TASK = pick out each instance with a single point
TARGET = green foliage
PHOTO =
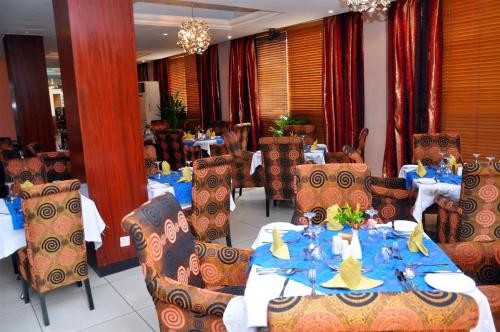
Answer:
(172, 108)
(284, 121)
(351, 217)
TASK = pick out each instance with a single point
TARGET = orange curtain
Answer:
(142, 72)
(208, 85)
(160, 74)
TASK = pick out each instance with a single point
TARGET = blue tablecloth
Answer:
(218, 139)
(264, 258)
(182, 190)
(307, 148)
(431, 173)
(15, 212)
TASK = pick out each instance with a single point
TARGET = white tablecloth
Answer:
(427, 193)
(13, 239)
(318, 157)
(205, 144)
(248, 312)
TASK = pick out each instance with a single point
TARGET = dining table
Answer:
(249, 312)
(204, 142)
(317, 156)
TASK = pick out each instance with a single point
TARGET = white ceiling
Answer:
(154, 18)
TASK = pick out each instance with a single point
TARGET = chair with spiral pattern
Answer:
(55, 253)
(404, 311)
(220, 127)
(211, 198)
(428, 147)
(171, 147)
(8, 152)
(308, 130)
(190, 282)
(28, 169)
(57, 165)
(150, 159)
(342, 156)
(191, 153)
(320, 186)
(391, 198)
(242, 131)
(32, 149)
(280, 156)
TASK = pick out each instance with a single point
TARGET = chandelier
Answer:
(193, 35)
(369, 6)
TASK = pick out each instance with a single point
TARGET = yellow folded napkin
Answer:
(188, 136)
(208, 133)
(452, 162)
(26, 184)
(314, 146)
(415, 241)
(186, 175)
(332, 221)
(279, 248)
(212, 136)
(350, 277)
(165, 168)
(421, 170)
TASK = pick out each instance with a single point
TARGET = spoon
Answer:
(335, 268)
(409, 275)
(287, 272)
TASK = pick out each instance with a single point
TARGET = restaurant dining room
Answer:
(249, 165)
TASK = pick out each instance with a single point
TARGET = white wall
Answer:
(224, 78)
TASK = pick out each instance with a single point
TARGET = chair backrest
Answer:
(360, 146)
(5, 140)
(159, 125)
(57, 165)
(150, 159)
(171, 146)
(233, 144)
(242, 131)
(321, 186)
(9, 152)
(480, 202)
(54, 234)
(28, 169)
(280, 155)
(309, 130)
(33, 149)
(354, 155)
(211, 197)
(164, 243)
(220, 127)
(4, 191)
(405, 311)
(218, 150)
(428, 147)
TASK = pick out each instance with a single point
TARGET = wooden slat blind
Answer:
(471, 72)
(272, 77)
(305, 56)
(177, 77)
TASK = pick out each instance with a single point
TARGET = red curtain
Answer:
(343, 84)
(414, 46)
(243, 86)
(142, 72)
(160, 74)
(208, 85)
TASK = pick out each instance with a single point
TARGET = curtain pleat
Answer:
(142, 72)
(160, 74)
(208, 85)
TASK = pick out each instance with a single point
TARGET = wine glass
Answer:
(490, 159)
(476, 155)
(158, 169)
(303, 137)
(370, 225)
(310, 232)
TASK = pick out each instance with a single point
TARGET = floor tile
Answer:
(23, 320)
(133, 290)
(6, 270)
(124, 274)
(149, 315)
(131, 322)
(10, 293)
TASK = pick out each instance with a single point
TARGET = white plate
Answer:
(405, 226)
(426, 181)
(450, 282)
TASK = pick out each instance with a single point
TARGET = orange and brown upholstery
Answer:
(360, 145)
(150, 159)
(320, 186)
(308, 130)
(428, 147)
(29, 169)
(159, 125)
(171, 146)
(280, 156)
(55, 254)
(211, 198)
(391, 199)
(342, 157)
(492, 293)
(354, 156)
(476, 217)
(191, 153)
(220, 127)
(185, 278)
(8, 152)
(57, 165)
(218, 150)
(242, 131)
(404, 311)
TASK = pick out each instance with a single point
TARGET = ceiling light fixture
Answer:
(193, 35)
(330, 11)
(369, 6)
(165, 34)
(229, 37)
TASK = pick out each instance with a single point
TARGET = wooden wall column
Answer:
(27, 70)
(96, 45)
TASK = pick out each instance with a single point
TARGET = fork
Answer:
(312, 279)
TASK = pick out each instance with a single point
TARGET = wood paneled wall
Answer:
(96, 44)
(25, 57)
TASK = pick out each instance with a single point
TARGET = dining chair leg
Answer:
(26, 291)
(275, 202)
(15, 265)
(79, 284)
(89, 293)
(241, 191)
(228, 240)
(234, 192)
(45, 314)
(267, 207)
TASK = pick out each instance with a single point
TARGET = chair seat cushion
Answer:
(24, 264)
(492, 292)
(233, 290)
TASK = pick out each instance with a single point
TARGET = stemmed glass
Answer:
(384, 255)
(158, 169)
(303, 137)
(476, 155)
(490, 159)
(372, 231)
(310, 230)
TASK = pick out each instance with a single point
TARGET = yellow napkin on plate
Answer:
(350, 277)
(421, 170)
(188, 136)
(452, 162)
(415, 241)
(212, 135)
(165, 168)
(279, 248)
(208, 133)
(186, 175)
(314, 146)
(26, 184)
(332, 221)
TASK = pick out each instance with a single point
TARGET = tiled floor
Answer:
(122, 302)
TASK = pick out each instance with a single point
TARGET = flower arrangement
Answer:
(354, 218)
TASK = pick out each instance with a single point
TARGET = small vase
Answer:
(355, 245)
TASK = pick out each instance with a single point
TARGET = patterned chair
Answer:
(341, 157)
(242, 131)
(428, 147)
(220, 127)
(57, 165)
(280, 156)
(476, 217)
(171, 146)
(190, 282)
(21, 170)
(211, 196)
(55, 254)
(9, 152)
(320, 186)
(420, 311)
(218, 150)
(191, 153)
(242, 161)
(159, 125)
(309, 130)
(150, 159)
(391, 198)
(33, 149)
(354, 156)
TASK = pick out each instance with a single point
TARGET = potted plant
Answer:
(284, 121)
(172, 109)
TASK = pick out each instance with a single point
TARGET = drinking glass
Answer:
(158, 169)
(303, 137)
(490, 159)
(476, 155)
(372, 230)
(310, 230)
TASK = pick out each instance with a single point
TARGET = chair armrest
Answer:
(198, 300)
(223, 266)
(218, 150)
(393, 193)
(448, 205)
(336, 157)
(392, 183)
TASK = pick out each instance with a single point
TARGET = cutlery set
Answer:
(406, 280)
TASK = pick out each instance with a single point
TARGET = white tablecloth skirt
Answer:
(205, 144)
